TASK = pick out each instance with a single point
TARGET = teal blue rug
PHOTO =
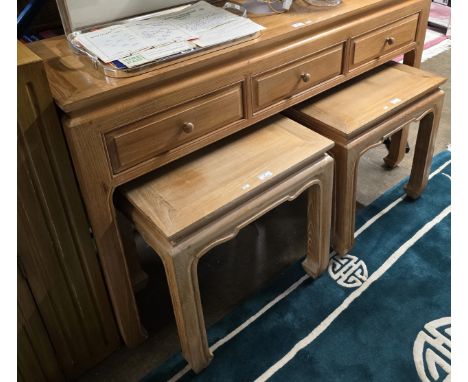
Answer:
(382, 313)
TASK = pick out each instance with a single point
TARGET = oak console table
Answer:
(119, 129)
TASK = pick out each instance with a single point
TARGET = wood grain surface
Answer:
(71, 75)
(355, 106)
(195, 189)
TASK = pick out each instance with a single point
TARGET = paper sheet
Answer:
(111, 43)
(154, 54)
(200, 17)
(137, 42)
(227, 32)
(157, 31)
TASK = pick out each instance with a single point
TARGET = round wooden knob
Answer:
(305, 77)
(391, 40)
(188, 127)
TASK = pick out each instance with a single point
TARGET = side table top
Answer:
(360, 103)
(187, 193)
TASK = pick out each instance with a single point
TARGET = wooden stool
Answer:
(192, 205)
(360, 115)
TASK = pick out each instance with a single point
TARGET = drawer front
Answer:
(384, 40)
(151, 136)
(296, 77)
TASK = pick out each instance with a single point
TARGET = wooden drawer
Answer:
(159, 133)
(296, 77)
(384, 40)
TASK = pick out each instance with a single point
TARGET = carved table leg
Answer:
(413, 58)
(138, 276)
(424, 149)
(346, 162)
(116, 273)
(320, 197)
(181, 271)
(89, 158)
(397, 149)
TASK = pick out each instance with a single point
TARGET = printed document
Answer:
(139, 41)
(154, 54)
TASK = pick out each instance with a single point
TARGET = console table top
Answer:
(75, 82)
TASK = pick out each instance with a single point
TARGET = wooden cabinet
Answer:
(65, 321)
(120, 129)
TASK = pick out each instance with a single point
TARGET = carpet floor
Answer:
(382, 313)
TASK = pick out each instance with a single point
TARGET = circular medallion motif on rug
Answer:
(432, 351)
(348, 271)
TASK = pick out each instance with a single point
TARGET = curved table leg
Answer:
(424, 149)
(399, 141)
(181, 271)
(397, 149)
(319, 222)
(346, 165)
(138, 276)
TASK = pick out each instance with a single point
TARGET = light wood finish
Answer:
(296, 77)
(188, 195)
(383, 40)
(138, 276)
(162, 132)
(71, 76)
(187, 208)
(354, 107)
(398, 142)
(360, 116)
(397, 148)
(95, 106)
(56, 254)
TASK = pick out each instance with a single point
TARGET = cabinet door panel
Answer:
(55, 248)
(36, 358)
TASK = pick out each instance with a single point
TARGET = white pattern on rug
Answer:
(432, 351)
(348, 271)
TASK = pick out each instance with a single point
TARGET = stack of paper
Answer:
(137, 42)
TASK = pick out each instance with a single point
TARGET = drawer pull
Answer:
(305, 77)
(391, 40)
(188, 127)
